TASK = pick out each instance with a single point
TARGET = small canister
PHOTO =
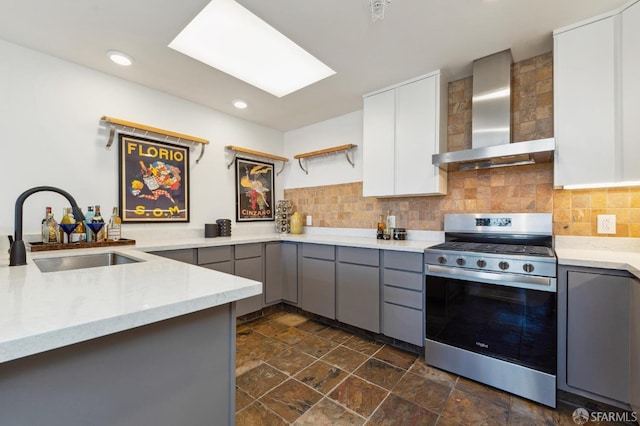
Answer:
(296, 223)
(399, 234)
(210, 230)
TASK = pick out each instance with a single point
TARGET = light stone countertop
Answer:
(599, 252)
(43, 311)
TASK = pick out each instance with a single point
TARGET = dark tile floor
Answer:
(294, 370)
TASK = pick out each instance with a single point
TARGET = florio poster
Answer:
(154, 181)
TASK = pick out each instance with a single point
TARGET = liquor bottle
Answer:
(114, 228)
(80, 233)
(50, 229)
(87, 219)
(97, 218)
(67, 219)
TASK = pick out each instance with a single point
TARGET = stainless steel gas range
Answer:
(491, 302)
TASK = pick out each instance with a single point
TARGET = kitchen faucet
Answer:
(17, 252)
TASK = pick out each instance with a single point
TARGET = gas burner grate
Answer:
(510, 249)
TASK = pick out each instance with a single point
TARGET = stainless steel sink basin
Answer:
(66, 263)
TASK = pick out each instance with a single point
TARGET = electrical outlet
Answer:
(606, 224)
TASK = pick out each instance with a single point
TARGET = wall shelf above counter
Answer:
(161, 135)
(322, 152)
(236, 149)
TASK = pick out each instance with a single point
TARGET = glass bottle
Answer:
(67, 218)
(50, 229)
(114, 228)
(97, 218)
(381, 227)
(80, 233)
(88, 218)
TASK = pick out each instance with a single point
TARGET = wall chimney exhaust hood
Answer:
(491, 122)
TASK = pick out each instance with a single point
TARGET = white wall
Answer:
(327, 170)
(51, 135)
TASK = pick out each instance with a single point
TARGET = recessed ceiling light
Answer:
(120, 58)
(230, 38)
(240, 104)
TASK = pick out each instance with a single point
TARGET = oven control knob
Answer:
(460, 261)
(503, 265)
(442, 260)
(481, 263)
(528, 267)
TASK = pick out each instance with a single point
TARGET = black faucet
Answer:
(17, 252)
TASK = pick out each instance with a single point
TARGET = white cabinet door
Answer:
(416, 137)
(378, 136)
(584, 86)
(630, 94)
(403, 128)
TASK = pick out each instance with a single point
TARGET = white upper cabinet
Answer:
(631, 93)
(404, 126)
(596, 100)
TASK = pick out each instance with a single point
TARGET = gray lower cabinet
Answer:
(248, 264)
(403, 296)
(358, 287)
(318, 279)
(634, 391)
(281, 272)
(594, 346)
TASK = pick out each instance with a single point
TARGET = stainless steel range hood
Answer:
(491, 122)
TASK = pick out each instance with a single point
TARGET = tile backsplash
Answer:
(508, 189)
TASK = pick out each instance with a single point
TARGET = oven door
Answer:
(485, 316)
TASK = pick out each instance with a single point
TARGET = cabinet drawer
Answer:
(360, 256)
(244, 251)
(214, 254)
(182, 255)
(319, 251)
(403, 324)
(400, 296)
(226, 267)
(404, 279)
(403, 260)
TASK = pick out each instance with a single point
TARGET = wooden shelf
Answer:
(150, 131)
(237, 149)
(37, 246)
(333, 150)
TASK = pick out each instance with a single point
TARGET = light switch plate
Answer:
(606, 224)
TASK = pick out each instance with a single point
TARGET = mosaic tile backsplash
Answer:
(509, 189)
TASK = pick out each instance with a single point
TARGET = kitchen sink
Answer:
(66, 263)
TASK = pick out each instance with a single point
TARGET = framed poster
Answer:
(254, 190)
(154, 181)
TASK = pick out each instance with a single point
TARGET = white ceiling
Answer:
(415, 37)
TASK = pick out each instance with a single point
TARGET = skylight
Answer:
(230, 38)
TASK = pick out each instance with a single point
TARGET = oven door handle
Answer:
(507, 279)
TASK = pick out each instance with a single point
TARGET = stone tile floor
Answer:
(291, 370)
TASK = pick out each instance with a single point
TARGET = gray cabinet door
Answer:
(319, 286)
(249, 268)
(290, 272)
(273, 273)
(358, 298)
(403, 323)
(634, 392)
(598, 334)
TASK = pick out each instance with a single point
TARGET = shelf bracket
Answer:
(346, 154)
(300, 164)
(201, 153)
(235, 154)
